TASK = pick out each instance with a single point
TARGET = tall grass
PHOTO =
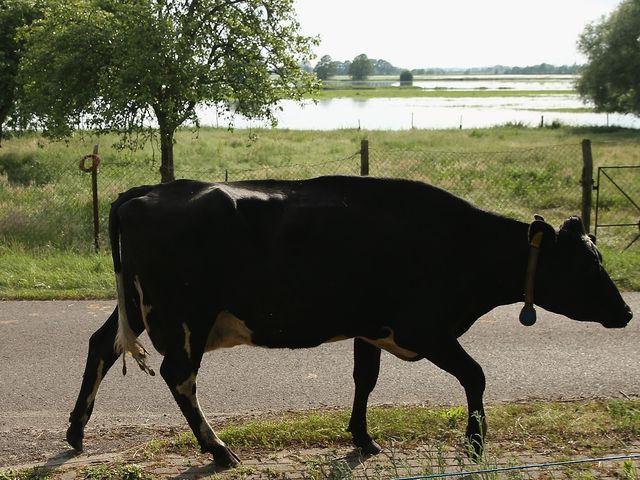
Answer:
(45, 201)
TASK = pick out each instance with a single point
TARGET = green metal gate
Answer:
(617, 204)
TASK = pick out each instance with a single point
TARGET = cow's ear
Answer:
(573, 225)
(548, 233)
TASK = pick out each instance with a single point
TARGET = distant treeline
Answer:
(380, 67)
(541, 69)
(383, 67)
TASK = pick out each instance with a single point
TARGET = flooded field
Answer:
(443, 111)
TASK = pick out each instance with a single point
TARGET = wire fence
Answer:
(516, 183)
(53, 206)
(617, 208)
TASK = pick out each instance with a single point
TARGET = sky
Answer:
(451, 33)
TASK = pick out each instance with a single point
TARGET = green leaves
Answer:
(361, 67)
(126, 66)
(14, 14)
(612, 46)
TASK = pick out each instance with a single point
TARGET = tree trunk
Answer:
(167, 173)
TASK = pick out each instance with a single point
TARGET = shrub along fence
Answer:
(67, 207)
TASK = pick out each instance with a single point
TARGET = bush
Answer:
(406, 77)
(24, 170)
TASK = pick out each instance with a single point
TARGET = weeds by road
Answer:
(417, 441)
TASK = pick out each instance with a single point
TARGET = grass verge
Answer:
(416, 441)
(53, 274)
(564, 428)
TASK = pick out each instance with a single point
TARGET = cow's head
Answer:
(570, 278)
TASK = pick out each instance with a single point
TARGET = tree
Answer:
(610, 77)
(360, 68)
(382, 67)
(325, 68)
(108, 65)
(13, 15)
(406, 77)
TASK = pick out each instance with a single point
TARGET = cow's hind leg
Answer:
(100, 358)
(366, 367)
(449, 355)
(179, 369)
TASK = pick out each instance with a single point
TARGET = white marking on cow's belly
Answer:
(228, 331)
(144, 309)
(389, 344)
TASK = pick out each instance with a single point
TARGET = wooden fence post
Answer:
(587, 183)
(93, 169)
(364, 158)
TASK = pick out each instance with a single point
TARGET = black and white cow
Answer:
(394, 264)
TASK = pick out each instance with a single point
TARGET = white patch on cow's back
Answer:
(228, 331)
(389, 344)
(144, 309)
(237, 192)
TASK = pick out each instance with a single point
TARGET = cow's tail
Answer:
(126, 339)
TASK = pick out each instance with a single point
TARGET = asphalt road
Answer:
(43, 347)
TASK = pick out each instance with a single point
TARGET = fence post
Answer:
(364, 157)
(587, 183)
(95, 161)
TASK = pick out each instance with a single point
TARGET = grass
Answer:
(587, 428)
(37, 473)
(557, 430)
(45, 201)
(416, 441)
(565, 428)
(116, 471)
(54, 274)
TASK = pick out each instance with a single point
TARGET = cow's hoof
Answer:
(224, 457)
(367, 445)
(75, 435)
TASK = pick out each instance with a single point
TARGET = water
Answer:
(441, 112)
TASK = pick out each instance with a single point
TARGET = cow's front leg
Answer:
(366, 367)
(100, 358)
(179, 369)
(449, 355)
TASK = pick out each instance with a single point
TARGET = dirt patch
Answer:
(26, 447)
